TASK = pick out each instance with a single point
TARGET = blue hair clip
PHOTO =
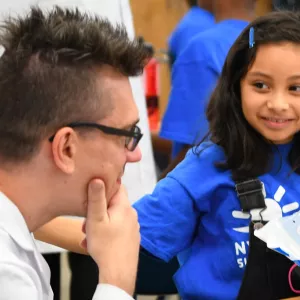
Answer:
(251, 38)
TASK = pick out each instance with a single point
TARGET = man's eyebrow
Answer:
(131, 124)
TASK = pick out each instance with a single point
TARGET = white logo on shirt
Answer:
(273, 210)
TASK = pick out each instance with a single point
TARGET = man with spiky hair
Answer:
(67, 129)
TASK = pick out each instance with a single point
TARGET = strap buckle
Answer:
(251, 194)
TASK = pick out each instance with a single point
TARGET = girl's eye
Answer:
(260, 85)
(295, 88)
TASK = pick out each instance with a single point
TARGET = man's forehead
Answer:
(131, 124)
(124, 114)
(115, 88)
(125, 117)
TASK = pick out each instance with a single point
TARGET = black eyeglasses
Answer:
(133, 136)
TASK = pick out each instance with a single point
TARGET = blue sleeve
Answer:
(170, 216)
(192, 83)
(167, 219)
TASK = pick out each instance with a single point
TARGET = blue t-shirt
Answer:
(194, 77)
(196, 208)
(194, 21)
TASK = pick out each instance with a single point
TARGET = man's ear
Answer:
(64, 148)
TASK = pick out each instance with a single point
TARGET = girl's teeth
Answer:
(276, 120)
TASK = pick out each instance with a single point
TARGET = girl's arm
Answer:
(63, 232)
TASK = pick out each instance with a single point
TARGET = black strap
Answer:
(255, 284)
(250, 194)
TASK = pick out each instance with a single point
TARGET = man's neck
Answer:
(238, 13)
(29, 200)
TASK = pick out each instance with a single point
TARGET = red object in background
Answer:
(151, 80)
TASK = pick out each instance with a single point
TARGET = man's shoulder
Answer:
(19, 278)
(10, 251)
(26, 267)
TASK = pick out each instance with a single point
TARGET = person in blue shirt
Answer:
(254, 123)
(198, 18)
(195, 74)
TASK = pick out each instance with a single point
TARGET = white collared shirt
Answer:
(24, 273)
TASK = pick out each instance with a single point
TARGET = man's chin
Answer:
(110, 197)
(80, 211)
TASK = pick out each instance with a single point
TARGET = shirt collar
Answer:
(12, 221)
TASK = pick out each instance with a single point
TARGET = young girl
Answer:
(246, 173)
(196, 213)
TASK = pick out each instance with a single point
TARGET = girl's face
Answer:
(270, 92)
